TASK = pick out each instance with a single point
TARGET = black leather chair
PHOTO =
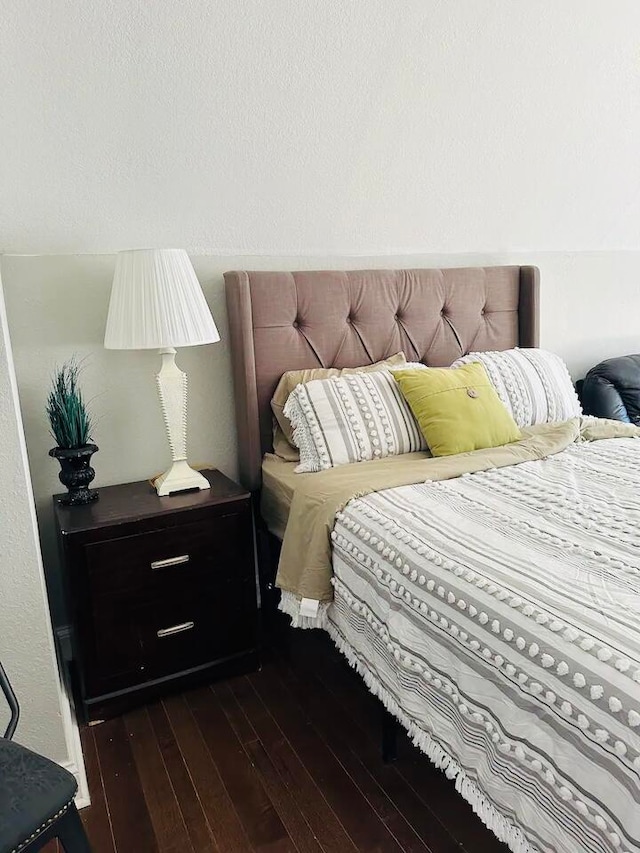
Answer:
(36, 795)
(611, 389)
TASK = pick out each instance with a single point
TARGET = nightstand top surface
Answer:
(131, 501)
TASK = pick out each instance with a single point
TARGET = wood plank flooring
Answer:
(283, 760)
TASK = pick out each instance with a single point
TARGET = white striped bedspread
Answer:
(497, 615)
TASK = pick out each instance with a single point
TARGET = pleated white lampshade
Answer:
(157, 302)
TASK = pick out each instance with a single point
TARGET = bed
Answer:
(492, 609)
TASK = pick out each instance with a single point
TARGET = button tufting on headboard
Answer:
(345, 319)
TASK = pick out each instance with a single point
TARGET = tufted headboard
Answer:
(283, 321)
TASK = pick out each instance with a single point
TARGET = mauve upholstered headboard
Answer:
(283, 321)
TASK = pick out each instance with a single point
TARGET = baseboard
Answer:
(82, 797)
(75, 763)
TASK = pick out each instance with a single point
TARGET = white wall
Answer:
(307, 132)
(321, 127)
(26, 642)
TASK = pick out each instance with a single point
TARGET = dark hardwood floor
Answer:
(287, 759)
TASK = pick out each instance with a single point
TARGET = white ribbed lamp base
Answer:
(172, 388)
(180, 478)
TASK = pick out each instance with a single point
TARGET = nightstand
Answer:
(162, 591)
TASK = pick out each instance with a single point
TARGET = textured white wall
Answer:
(26, 642)
(320, 126)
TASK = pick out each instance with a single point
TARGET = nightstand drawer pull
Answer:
(175, 629)
(171, 561)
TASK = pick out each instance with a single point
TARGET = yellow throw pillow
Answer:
(457, 408)
(282, 438)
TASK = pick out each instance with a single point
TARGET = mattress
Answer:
(278, 484)
(497, 616)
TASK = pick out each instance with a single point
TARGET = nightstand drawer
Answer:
(144, 565)
(181, 634)
(135, 641)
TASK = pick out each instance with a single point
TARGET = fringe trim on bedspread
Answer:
(290, 604)
(500, 825)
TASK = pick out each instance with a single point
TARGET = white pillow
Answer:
(351, 419)
(534, 384)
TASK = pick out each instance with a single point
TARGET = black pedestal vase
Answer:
(76, 473)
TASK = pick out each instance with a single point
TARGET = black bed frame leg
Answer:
(390, 728)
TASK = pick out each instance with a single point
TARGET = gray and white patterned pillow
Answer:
(534, 384)
(351, 419)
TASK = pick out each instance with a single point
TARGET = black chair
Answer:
(611, 389)
(36, 795)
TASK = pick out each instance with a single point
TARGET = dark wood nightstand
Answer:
(162, 592)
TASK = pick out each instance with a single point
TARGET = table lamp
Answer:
(157, 303)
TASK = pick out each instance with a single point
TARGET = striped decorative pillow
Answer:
(351, 419)
(533, 384)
